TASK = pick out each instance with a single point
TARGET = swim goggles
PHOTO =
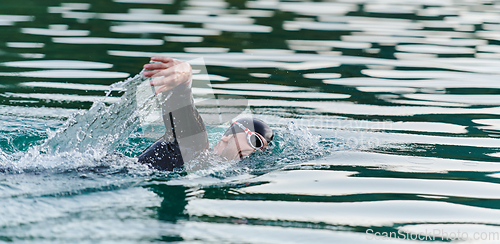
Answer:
(253, 139)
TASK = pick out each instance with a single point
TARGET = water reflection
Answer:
(58, 64)
(6, 20)
(60, 97)
(103, 40)
(68, 7)
(32, 55)
(25, 45)
(396, 83)
(194, 39)
(59, 85)
(70, 74)
(206, 50)
(435, 49)
(325, 183)
(55, 30)
(163, 29)
(260, 87)
(322, 75)
(239, 28)
(173, 203)
(187, 18)
(381, 213)
(145, 1)
(277, 94)
(260, 75)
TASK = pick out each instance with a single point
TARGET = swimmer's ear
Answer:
(226, 138)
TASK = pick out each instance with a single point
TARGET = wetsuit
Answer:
(185, 136)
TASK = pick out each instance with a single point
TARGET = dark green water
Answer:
(386, 116)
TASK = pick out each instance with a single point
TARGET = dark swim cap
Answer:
(255, 125)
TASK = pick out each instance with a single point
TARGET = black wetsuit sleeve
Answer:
(185, 135)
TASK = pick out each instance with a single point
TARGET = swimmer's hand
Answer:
(170, 72)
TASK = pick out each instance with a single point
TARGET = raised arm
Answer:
(185, 136)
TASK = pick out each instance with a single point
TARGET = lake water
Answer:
(386, 114)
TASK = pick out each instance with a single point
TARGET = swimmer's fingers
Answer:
(155, 66)
(153, 69)
(162, 59)
(158, 72)
(150, 73)
(177, 74)
(162, 89)
(168, 63)
(161, 81)
(169, 73)
(164, 84)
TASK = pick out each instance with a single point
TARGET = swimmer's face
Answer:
(234, 146)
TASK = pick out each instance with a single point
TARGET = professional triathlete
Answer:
(186, 137)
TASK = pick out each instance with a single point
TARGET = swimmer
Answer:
(186, 137)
